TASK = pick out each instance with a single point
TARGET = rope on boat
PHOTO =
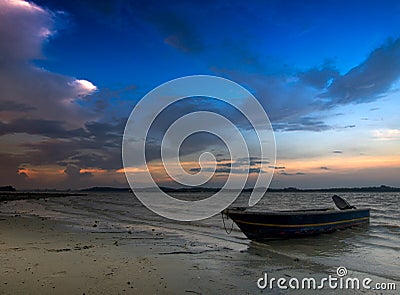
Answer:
(223, 220)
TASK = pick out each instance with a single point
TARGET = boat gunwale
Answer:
(327, 211)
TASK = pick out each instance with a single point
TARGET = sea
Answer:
(369, 250)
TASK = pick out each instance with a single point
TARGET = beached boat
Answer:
(260, 226)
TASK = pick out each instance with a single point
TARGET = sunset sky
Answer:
(326, 72)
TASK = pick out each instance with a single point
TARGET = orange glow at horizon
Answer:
(39, 172)
(341, 164)
(337, 164)
(93, 171)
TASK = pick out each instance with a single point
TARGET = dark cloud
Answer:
(106, 134)
(47, 128)
(257, 161)
(76, 177)
(337, 152)
(51, 152)
(303, 123)
(197, 143)
(9, 105)
(251, 161)
(319, 77)
(105, 159)
(254, 170)
(110, 103)
(10, 172)
(41, 103)
(283, 96)
(242, 162)
(74, 172)
(222, 159)
(32, 100)
(45, 95)
(277, 167)
(96, 146)
(82, 153)
(291, 174)
(367, 81)
(227, 170)
(226, 164)
(290, 98)
(235, 166)
(324, 168)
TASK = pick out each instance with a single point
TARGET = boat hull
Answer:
(260, 226)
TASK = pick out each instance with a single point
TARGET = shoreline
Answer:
(42, 256)
(46, 255)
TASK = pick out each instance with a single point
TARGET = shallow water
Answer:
(373, 249)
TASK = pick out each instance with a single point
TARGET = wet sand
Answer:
(41, 256)
(96, 254)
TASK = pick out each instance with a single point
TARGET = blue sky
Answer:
(326, 72)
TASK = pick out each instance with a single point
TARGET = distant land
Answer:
(10, 193)
(105, 189)
(377, 189)
(382, 188)
(24, 195)
(7, 188)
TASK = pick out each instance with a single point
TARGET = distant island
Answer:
(376, 189)
(105, 189)
(382, 188)
(9, 193)
(7, 188)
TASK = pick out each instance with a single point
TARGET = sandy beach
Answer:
(41, 256)
(96, 254)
